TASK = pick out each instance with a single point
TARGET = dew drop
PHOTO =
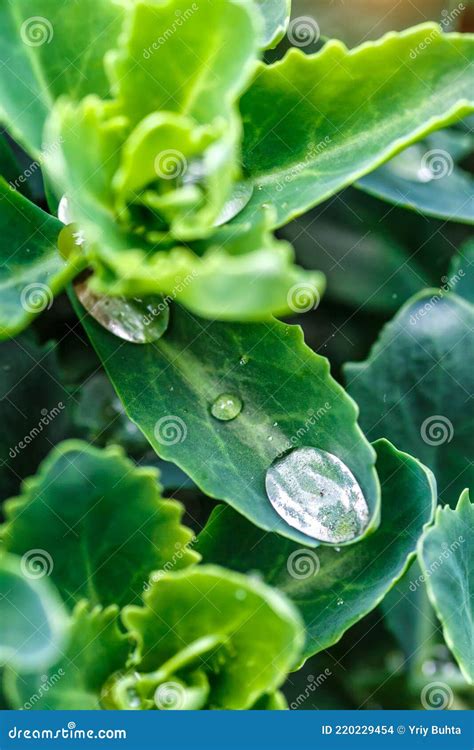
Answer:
(227, 406)
(243, 360)
(241, 195)
(316, 493)
(339, 602)
(70, 240)
(64, 210)
(139, 321)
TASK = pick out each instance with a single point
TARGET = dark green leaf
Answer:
(288, 396)
(446, 554)
(461, 273)
(101, 521)
(334, 588)
(414, 387)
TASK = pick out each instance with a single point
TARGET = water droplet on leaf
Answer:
(70, 240)
(316, 493)
(139, 321)
(339, 602)
(227, 406)
(241, 195)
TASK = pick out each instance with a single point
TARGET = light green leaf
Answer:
(276, 15)
(32, 616)
(210, 281)
(96, 649)
(447, 558)
(334, 588)
(32, 271)
(50, 49)
(314, 124)
(426, 179)
(288, 396)
(236, 631)
(101, 522)
(414, 387)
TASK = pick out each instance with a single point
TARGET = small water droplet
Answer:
(241, 195)
(275, 424)
(243, 360)
(64, 210)
(340, 601)
(316, 493)
(270, 438)
(128, 319)
(240, 594)
(428, 667)
(70, 240)
(227, 406)
(338, 549)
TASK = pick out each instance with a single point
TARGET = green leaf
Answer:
(96, 649)
(95, 508)
(415, 385)
(461, 272)
(34, 410)
(447, 559)
(314, 124)
(51, 49)
(276, 15)
(289, 399)
(33, 618)
(32, 271)
(334, 588)
(425, 179)
(243, 635)
(210, 281)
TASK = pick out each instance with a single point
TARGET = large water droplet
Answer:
(226, 407)
(70, 240)
(139, 321)
(316, 493)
